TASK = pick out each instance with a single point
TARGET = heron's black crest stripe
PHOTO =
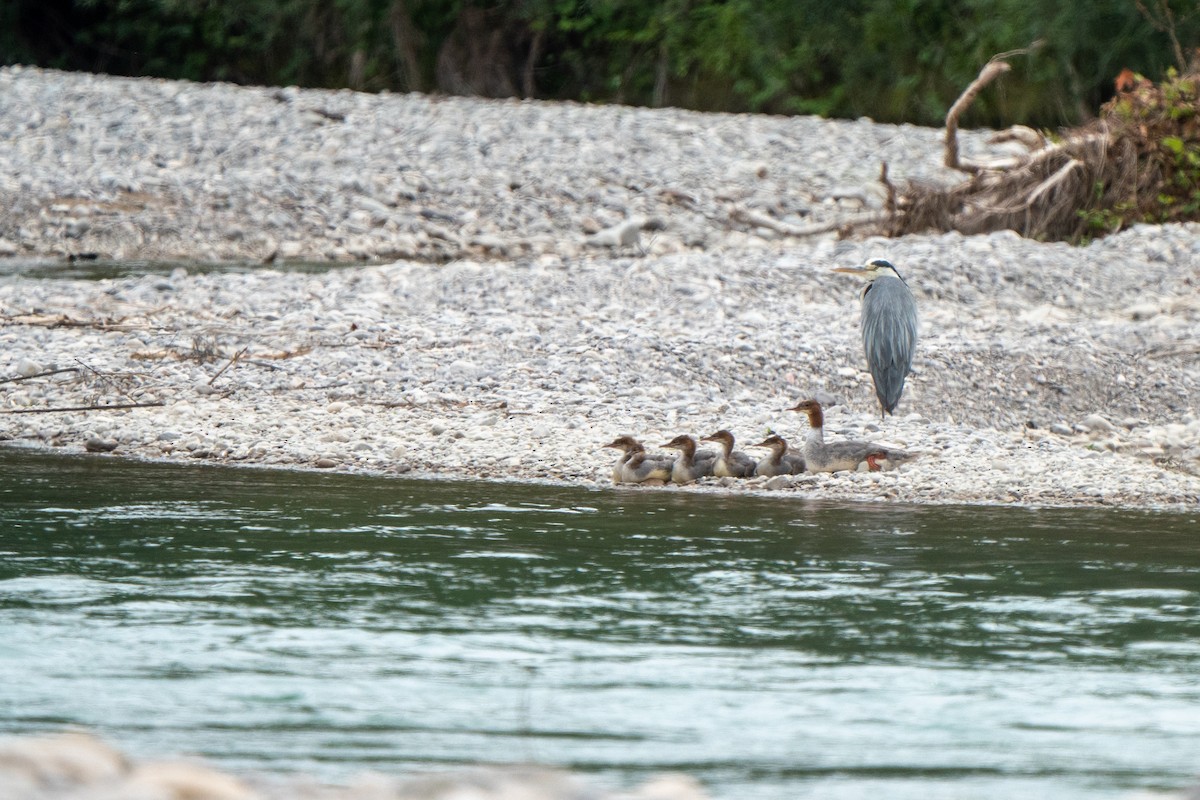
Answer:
(883, 262)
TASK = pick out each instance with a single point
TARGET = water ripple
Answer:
(775, 649)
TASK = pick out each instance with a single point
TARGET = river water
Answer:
(773, 648)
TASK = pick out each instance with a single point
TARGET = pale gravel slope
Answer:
(529, 350)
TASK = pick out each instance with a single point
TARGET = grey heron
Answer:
(889, 329)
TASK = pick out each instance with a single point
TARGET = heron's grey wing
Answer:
(889, 330)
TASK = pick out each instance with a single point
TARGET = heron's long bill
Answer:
(852, 270)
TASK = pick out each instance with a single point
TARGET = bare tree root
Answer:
(756, 219)
(991, 71)
(1138, 162)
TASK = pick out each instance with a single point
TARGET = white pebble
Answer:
(27, 368)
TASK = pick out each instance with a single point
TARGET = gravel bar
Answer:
(512, 284)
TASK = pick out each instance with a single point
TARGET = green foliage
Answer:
(1180, 198)
(1101, 220)
(1160, 123)
(893, 60)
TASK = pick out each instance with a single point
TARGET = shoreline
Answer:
(510, 342)
(802, 493)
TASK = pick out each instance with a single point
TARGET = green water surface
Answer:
(773, 648)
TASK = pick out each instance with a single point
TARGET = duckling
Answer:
(838, 456)
(729, 463)
(636, 465)
(690, 465)
(780, 462)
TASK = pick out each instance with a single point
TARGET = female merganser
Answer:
(690, 465)
(636, 465)
(780, 462)
(729, 463)
(838, 456)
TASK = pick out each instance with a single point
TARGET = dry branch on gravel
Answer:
(89, 407)
(1138, 162)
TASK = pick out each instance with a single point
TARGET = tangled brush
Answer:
(1138, 161)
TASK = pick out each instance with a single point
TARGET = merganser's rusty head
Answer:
(816, 418)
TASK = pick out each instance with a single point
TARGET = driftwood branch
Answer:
(39, 375)
(1023, 134)
(1058, 177)
(113, 407)
(997, 66)
(64, 321)
(992, 70)
(888, 187)
(234, 359)
(758, 220)
(1164, 22)
(1037, 157)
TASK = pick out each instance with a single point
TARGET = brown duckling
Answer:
(636, 465)
(690, 465)
(780, 461)
(729, 463)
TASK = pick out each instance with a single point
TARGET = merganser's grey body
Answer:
(845, 455)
